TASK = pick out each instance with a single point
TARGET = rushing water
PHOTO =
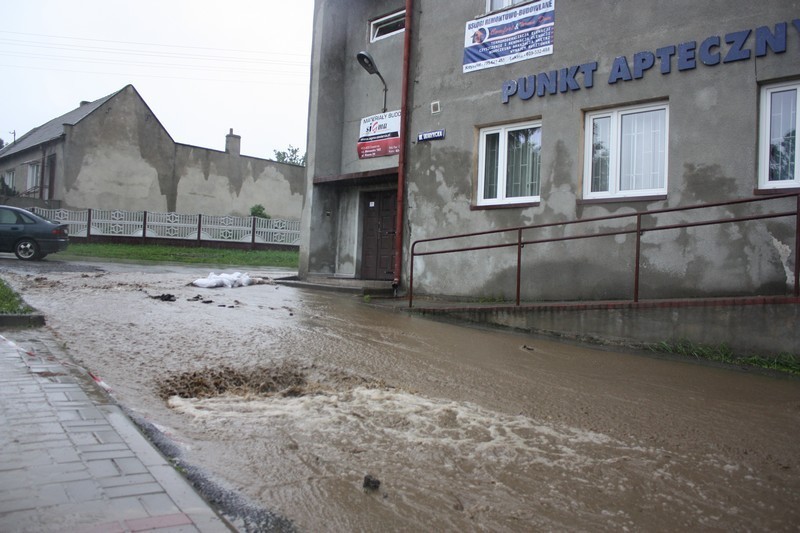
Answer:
(482, 430)
(466, 429)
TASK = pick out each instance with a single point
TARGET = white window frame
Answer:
(614, 175)
(34, 174)
(501, 4)
(376, 25)
(502, 178)
(764, 136)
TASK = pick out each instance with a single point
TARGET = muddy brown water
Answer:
(466, 429)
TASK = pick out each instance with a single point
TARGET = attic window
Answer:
(387, 26)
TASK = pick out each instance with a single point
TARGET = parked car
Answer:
(30, 236)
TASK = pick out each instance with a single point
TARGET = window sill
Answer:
(503, 206)
(620, 199)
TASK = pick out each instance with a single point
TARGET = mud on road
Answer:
(291, 398)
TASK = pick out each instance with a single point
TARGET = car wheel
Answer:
(27, 249)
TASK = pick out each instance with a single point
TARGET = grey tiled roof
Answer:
(53, 129)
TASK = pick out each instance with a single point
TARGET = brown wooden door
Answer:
(377, 257)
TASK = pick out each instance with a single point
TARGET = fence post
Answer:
(144, 227)
(638, 254)
(519, 262)
(199, 227)
(89, 225)
(411, 276)
(253, 234)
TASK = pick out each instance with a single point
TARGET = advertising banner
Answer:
(514, 35)
(379, 135)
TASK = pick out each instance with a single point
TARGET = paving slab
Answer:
(71, 460)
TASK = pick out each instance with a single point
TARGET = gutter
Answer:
(401, 161)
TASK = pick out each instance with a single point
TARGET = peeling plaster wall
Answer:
(712, 151)
(713, 120)
(121, 157)
(221, 183)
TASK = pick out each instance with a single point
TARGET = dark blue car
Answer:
(30, 236)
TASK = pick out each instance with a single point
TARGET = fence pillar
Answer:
(519, 263)
(89, 225)
(638, 255)
(411, 277)
(144, 228)
(199, 227)
(253, 234)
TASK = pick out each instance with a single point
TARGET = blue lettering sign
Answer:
(664, 55)
(588, 73)
(566, 79)
(620, 70)
(711, 51)
(526, 87)
(547, 82)
(775, 41)
(642, 61)
(686, 59)
(737, 51)
(706, 55)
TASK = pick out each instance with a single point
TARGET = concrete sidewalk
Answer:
(71, 460)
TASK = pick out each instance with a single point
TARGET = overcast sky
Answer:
(202, 66)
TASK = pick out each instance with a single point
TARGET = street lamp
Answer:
(366, 61)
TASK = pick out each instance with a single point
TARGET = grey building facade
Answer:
(113, 153)
(547, 112)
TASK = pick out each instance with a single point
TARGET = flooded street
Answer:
(466, 429)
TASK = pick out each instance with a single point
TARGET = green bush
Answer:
(259, 211)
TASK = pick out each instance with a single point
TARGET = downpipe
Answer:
(401, 160)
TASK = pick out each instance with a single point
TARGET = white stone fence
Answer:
(145, 225)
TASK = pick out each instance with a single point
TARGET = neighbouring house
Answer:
(431, 119)
(114, 153)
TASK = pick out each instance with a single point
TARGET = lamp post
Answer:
(366, 61)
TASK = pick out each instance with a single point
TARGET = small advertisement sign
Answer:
(514, 35)
(379, 135)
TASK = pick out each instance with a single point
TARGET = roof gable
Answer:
(54, 128)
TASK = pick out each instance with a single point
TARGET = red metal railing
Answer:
(638, 230)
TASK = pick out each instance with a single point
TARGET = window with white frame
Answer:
(34, 178)
(8, 179)
(626, 152)
(509, 164)
(778, 167)
(387, 26)
(494, 5)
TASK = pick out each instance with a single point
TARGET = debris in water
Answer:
(371, 484)
(165, 297)
(209, 382)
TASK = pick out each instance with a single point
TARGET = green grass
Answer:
(722, 353)
(175, 254)
(11, 303)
